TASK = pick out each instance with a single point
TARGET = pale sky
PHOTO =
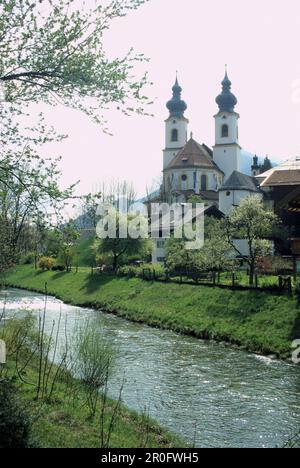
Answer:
(259, 40)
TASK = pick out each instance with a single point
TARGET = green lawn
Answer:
(260, 322)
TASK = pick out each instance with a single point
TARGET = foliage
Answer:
(46, 263)
(30, 197)
(94, 357)
(90, 204)
(15, 425)
(54, 52)
(132, 271)
(119, 246)
(28, 258)
(251, 221)
(215, 255)
(67, 236)
(59, 417)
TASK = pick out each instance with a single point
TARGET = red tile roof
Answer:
(193, 155)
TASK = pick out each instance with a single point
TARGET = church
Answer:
(212, 173)
(215, 173)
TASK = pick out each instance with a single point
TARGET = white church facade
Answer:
(191, 168)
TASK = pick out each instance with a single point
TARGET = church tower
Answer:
(176, 125)
(227, 151)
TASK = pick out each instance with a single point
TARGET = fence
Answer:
(225, 280)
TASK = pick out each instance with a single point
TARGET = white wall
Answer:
(228, 202)
(227, 151)
(231, 120)
(214, 179)
(172, 147)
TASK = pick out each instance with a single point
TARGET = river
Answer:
(202, 391)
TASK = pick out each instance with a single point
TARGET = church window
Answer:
(195, 180)
(228, 194)
(225, 131)
(204, 182)
(174, 136)
(184, 177)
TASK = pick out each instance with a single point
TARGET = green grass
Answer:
(83, 252)
(64, 421)
(259, 321)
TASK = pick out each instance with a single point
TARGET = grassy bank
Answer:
(64, 421)
(260, 322)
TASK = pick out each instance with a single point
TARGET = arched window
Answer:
(203, 183)
(174, 135)
(225, 131)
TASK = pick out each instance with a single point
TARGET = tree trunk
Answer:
(115, 263)
(252, 272)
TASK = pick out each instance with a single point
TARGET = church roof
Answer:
(226, 100)
(239, 181)
(176, 105)
(193, 155)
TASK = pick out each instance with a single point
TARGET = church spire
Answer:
(176, 105)
(226, 100)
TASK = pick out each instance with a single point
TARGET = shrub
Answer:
(46, 263)
(28, 259)
(138, 271)
(58, 268)
(15, 425)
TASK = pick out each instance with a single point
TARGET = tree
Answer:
(215, 255)
(90, 204)
(67, 236)
(251, 221)
(53, 51)
(118, 247)
(29, 191)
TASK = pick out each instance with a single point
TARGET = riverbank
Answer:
(63, 420)
(259, 322)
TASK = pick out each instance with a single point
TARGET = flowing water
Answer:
(202, 391)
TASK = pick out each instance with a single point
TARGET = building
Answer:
(281, 186)
(212, 173)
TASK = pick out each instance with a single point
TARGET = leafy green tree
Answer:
(53, 51)
(119, 248)
(67, 237)
(215, 255)
(253, 222)
(29, 190)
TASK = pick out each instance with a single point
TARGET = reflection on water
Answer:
(221, 396)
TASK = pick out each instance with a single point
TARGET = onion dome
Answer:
(176, 105)
(226, 100)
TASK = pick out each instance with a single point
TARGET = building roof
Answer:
(176, 105)
(239, 181)
(193, 155)
(226, 100)
(288, 173)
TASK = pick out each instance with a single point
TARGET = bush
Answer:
(59, 268)
(28, 259)
(15, 425)
(46, 263)
(137, 271)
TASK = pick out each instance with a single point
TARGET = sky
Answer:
(258, 40)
